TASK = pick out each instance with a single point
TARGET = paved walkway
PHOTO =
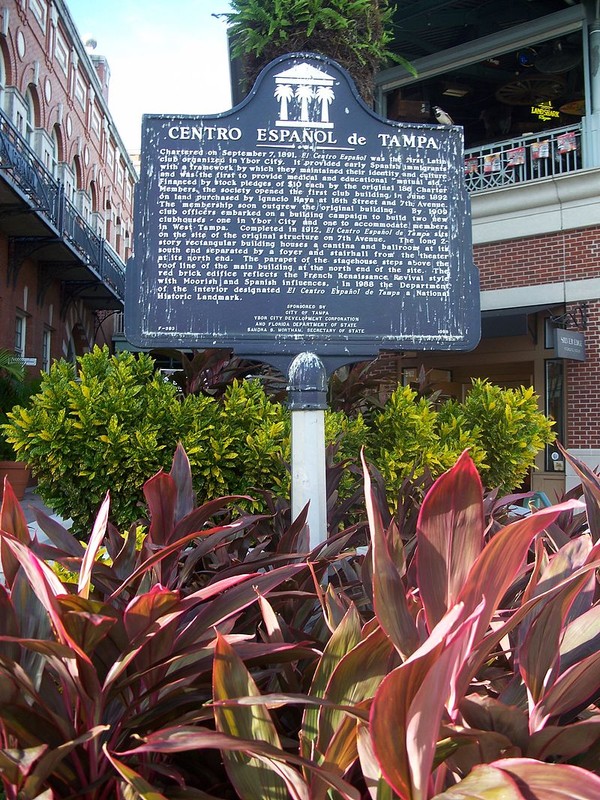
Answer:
(30, 503)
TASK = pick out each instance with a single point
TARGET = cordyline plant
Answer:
(465, 666)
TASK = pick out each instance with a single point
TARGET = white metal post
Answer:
(308, 401)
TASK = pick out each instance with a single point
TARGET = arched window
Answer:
(29, 122)
(53, 154)
(2, 79)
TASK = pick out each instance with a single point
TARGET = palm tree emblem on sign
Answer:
(284, 93)
(325, 96)
(305, 94)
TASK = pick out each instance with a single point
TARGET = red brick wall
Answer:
(583, 393)
(554, 257)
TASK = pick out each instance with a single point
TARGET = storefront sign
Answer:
(545, 111)
(569, 344)
(302, 221)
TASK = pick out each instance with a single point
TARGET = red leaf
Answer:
(509, 548)
(161, 496)
(575, 686)
(450, 531)
(182, 738)
(539, 655)
(411, 700)
(551, 781)
(389, 593)
(144, 609)
(12, 520)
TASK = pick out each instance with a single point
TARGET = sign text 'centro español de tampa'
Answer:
(302, 221)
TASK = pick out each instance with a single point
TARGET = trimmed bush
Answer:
(114, 419)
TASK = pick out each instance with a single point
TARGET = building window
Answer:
(61, 52)
(96, 122)
(46, 349)
(53, 154)
(554, 396)
(29, 121)
(39, 9)
(20, 331)
(2, 80)
(80, 91)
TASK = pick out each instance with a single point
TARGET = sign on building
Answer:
(302, 221)
(569, 344)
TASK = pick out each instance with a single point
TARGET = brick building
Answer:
(66, 188)
(523, 80)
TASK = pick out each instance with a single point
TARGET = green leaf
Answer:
(143, 790)
(231, 679)
(344, 638)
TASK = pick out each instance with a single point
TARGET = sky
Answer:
(163, 58)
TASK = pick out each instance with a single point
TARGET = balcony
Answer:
(526, 159)
(40, 222)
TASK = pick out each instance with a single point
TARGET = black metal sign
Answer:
(569, 344)
(302, 221)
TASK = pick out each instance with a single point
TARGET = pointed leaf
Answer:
(344, 638)
(449, 537)
(355, 679)
(46, 587)
(58, 534)
(389, 592)
(539, 655)
(484, 783)
(181, 474)
(12, 520)
(508, 547)
(143, 790)
(161, 498)
(411, 700)
(551, 781)
(231, 679)
(98, 532)
(591, 491)
(579, 684)
(168, 550)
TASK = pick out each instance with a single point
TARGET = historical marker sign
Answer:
(302, 221)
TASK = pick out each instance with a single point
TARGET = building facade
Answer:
(66, 189)
(523, 79)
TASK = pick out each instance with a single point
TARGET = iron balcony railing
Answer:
(528, 158)
(47, 196)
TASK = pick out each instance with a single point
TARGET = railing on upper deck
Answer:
(47, 196)
(528, 158)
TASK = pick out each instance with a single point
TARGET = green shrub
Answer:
(115, 420)
(508, 428)
(106, 424)
(245, 444)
